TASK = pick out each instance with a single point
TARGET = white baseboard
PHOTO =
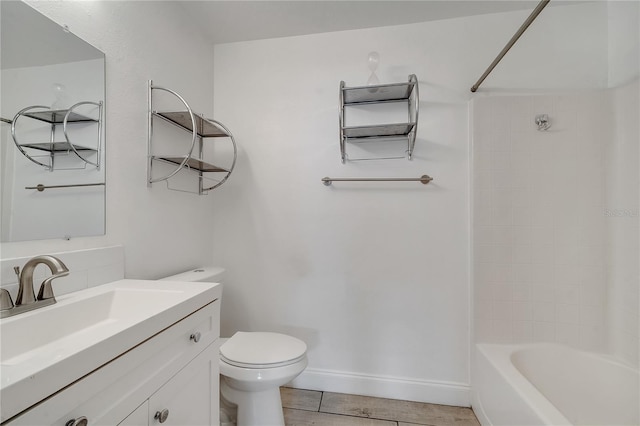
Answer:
(434, 392)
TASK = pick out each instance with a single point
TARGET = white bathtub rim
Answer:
(547, 412)
(605, 367)
(478, 409)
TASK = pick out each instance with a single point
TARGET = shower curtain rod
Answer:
(511, 42)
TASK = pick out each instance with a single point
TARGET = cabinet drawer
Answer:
(110, 393)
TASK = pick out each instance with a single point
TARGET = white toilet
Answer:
(253, 366)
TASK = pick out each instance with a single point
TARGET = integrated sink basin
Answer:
(44, 350)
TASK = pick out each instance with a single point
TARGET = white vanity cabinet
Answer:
(189, 397)
(175, 370)
(140, 417)
(186, 399)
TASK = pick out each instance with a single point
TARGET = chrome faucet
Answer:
(26, 299)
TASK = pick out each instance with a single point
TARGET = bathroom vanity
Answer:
(131, 352)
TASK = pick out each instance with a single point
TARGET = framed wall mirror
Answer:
(52, 91)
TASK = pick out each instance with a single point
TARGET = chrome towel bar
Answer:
(40, 187)
(424, 179)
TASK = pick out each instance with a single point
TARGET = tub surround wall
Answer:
(163, 231)
(623, 36)
(622, 223)
(556, 213)
(539, 230)
(623, 277)
(374, 277)
(556, 220)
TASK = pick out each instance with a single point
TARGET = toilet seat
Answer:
(262, 350)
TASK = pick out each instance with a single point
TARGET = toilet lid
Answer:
(262, 349)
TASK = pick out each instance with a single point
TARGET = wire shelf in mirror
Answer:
(58, 116)
(55, 118)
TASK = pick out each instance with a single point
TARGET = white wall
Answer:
(375, 277)
(162, 231)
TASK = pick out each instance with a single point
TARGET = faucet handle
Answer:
(46, 290)
(16, 269)
(5, 300)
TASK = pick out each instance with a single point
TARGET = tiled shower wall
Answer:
(622, 217)
(539, 228)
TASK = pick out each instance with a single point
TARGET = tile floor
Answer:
(306, 407)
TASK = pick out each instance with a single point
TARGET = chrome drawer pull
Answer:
(80, 421)
(162, 416)
(195, 337)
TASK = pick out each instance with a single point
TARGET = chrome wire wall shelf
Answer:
(204, 127)
(55, 118)
(201, 128)
(380, 94)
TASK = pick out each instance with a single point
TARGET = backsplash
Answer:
(88, 268)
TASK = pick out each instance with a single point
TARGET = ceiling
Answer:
(28, 38)
(232, 21)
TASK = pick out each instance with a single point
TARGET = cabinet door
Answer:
(140, 417)
(191, 396)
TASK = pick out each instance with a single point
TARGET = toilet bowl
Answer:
(253, 366)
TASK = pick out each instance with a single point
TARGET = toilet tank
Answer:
(207, 274)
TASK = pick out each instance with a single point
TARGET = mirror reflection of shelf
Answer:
(380, 94)
(56, 147)
(200, 128)
(55, 118)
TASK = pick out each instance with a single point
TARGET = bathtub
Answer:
(550, 384)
